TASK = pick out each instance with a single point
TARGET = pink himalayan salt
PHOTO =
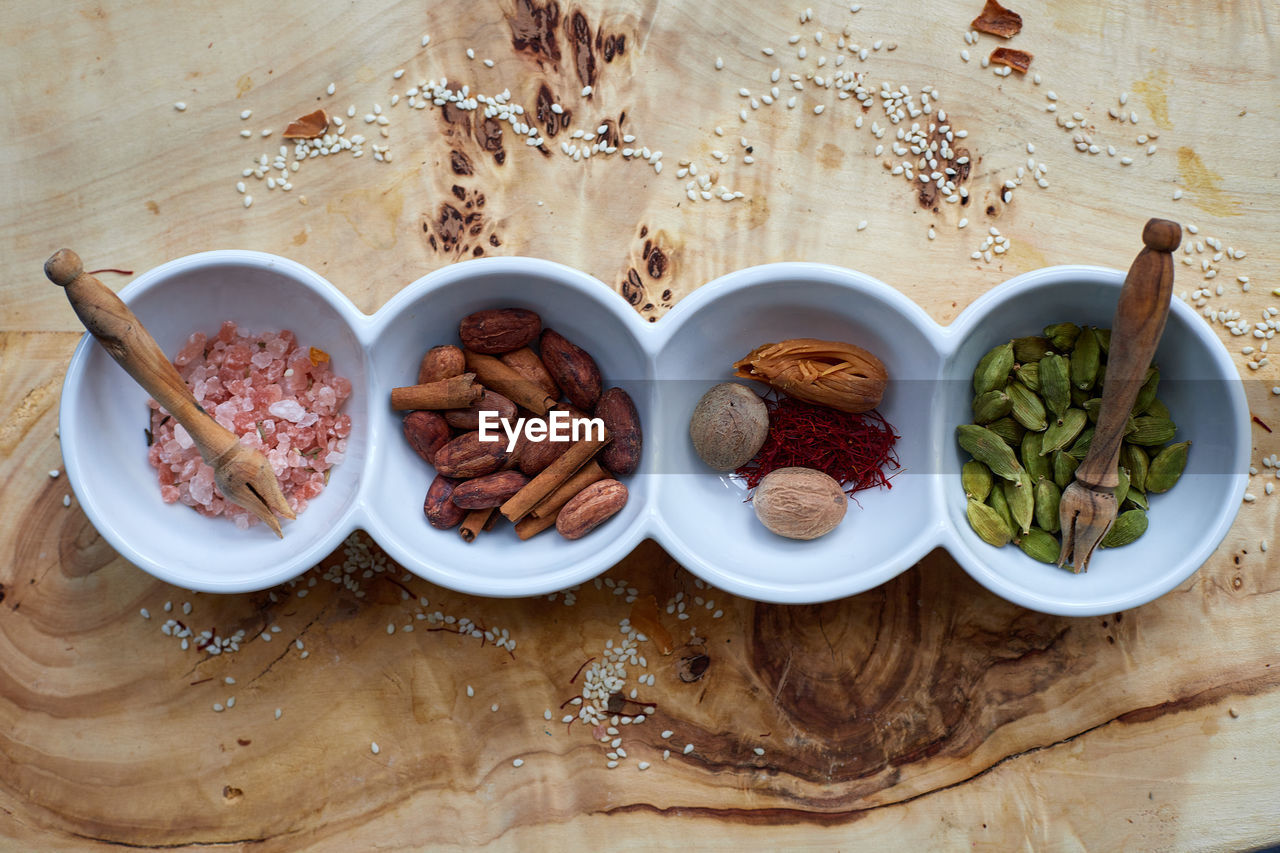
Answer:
(265, 389)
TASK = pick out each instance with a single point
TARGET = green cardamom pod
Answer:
(1104, 340)
(1020, 496)
(988, 524)
(1063, 431)
(1101, 378)
(1157, 409)
(1166, 467)
(1009, 430)
(1082, 444)
(1028, 374)
(1036, 464)
(1135, 500)
(1027, 408)
(1039, 545)
(991, 406)
(1151, 431)
(989, 449)
(1029, 349)
(1128, 526)
(1084, 361)
(1048, 498)
(1064, 468)
(1062, 335)
(976, 479)
(1136, 460)
(1055, 385)
(1122, 485)
(996, 501)
(1091, 408)
(1147, 393)
(993, 369)
(1078, 397)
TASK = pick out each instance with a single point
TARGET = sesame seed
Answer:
(759, 750)
(688, 748)
(248, 200)
(66, 500)
(643, 765)
(818, 109)
(374, 748)
(217, 706)
(146, 614)
(586, 91)
(719, 63)
(519, 762)
(666, 734)
(279, 713)
(494, 707)
(244, 114)
(426, 40)
(180, 106)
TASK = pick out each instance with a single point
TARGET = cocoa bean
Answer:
(441, 363)
(499, 330)
(525, 362)
(535, 456)
(467, 456)
(427, 432)
(489, 491)
(469, 418)
(590, 508)
(441, 512)
(572, 369)
(618, 411)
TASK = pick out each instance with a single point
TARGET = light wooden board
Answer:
(925, 712)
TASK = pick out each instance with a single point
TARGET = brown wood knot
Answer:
(243, 741)
(693, 667)
(230, 794)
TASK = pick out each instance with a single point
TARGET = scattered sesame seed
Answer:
(374, 748)
(688, 748)
(494, 707)
(759, 750)
(66, 500)
(818, 109)
(426, 40)
(217, 706)
(519, 762)
(146, 614)
(643, 765)
(180, 106)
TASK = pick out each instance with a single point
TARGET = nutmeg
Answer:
(728, 426)
(799, 503)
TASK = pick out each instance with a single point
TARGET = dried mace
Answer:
(829, 373)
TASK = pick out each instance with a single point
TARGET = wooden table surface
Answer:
(925, 712)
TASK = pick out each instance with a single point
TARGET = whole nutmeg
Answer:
(728, 426)
(799, 503)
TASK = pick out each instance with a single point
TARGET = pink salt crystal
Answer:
(192, 348)
(238, 378)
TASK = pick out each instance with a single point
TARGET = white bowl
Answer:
(698, 515)
(104, 413)
(1206, 400)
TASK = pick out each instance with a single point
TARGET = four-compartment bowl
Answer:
(700, 516)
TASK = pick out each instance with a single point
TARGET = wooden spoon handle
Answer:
(1135, 333)
(122, 334)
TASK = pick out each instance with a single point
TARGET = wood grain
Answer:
(925, 712)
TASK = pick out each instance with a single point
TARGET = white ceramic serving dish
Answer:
(698, 515)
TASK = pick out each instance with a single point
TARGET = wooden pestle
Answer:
(1088, 505)
(243, 475)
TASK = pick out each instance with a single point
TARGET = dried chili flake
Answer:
(857, 450)
(1018, 60)
(317, 356)
(310, 126)
(997, 20)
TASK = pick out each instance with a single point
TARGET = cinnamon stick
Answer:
(476, 520)
(526, 362)
(456, 392)
(519, 505)
(493, 373)
(528, 527)
(586, 475)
